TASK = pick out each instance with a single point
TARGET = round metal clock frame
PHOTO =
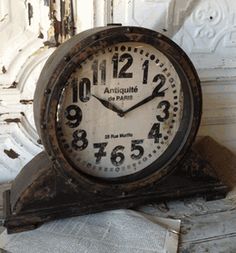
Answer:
(67, 58)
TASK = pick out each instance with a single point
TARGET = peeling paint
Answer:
(4, 17)
(11, 153)
(40, 35)
(30, 12)
(6, 113)
(4, 70)
(13, 85)
(49, 44)
(13, 120)
(39, 141)
(26, 101)
(62, 16)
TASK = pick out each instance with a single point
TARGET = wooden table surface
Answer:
(206, 226)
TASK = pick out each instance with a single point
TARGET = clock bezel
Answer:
(59, 67)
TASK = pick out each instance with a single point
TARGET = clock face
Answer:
(120, 111)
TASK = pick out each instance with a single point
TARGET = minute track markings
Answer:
(152, 57)
(140, 57)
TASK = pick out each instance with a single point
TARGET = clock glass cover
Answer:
(120, 111)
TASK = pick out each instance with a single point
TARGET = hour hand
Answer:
(110, 106)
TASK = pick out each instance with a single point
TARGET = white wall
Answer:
(205, 29)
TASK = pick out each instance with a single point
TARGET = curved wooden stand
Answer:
(41, 192)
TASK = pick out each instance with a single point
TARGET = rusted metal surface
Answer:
(62, 16)
(196, 167)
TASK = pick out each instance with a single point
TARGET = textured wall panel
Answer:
(205, 29)
(28, 37)
(23, 25)
(30, 31)
(208, 35)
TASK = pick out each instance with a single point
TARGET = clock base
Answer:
(41, 195)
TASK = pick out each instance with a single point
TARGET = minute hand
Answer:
(155, 93)
(110, 106)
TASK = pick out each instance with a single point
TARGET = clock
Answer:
(120, 112)
(117, 110)
(121, 107)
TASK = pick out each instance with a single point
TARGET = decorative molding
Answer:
(30, 30)
(19, 98)
(23, 27)
(208, 36)
(204, 28)
(24, 37)
(206, 18)
(17, 147)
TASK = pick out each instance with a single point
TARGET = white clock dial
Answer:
(120, 110)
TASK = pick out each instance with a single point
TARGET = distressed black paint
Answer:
(49, 187)
(11, 153)
(30, 12)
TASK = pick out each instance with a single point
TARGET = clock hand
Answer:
(155, 93)
(110, 106)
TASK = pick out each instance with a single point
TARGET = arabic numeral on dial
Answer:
(102, 68)
(161, 80)
(129, 60)
(101, 147)
(117, 158)
(84, 89)
(155, 133)
(123, 71)
(74, 115)
(145, 68)
(165, 106)
(79, 141)
(95, 72)
(115, 65)
(138, 149)
(95, 69)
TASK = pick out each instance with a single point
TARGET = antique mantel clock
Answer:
(116, 108)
